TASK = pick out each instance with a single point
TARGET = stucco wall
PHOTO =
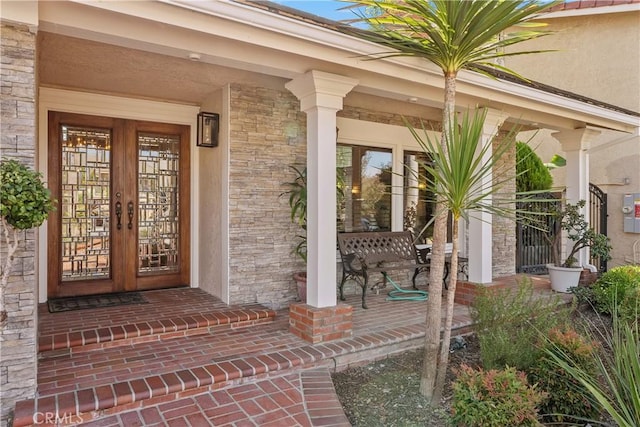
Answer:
(598, 56)
(18, 335)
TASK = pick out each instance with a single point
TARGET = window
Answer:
(418, 197)
(365, 176)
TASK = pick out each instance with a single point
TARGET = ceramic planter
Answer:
(301, 281)
(563, 278)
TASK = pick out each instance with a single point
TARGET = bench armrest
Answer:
(354, 263)
(422, 255)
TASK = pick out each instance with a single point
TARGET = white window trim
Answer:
(396, 138)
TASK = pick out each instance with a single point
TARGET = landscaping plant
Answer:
(494, 398)
(614, 389)
(509, 323)
(24, 203)
(453, 35)
(612, 289)
(579, 231)
(532, 174)
(567, 399)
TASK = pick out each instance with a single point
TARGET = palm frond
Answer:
(453, 34)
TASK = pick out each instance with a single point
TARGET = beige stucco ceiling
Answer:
(86, 65)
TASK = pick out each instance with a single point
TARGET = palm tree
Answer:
(454, 35)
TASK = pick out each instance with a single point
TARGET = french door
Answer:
(122, 219)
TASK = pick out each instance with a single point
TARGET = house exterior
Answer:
(103, 99)
(589, 63)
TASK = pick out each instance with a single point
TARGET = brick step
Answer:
(88, 403)
(304, 398)
(301, 399)
(153, 330)
(68, 397)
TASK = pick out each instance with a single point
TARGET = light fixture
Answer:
(208, 124)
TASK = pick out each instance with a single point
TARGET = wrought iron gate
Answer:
(598, 219)
(533, 251)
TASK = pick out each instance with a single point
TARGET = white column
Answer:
(480, 223)
(321, 96)
(575, 144)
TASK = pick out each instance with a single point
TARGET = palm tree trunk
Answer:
(434, 304)
(448, 320)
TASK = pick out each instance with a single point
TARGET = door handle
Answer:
(130, 214)
(119, 214)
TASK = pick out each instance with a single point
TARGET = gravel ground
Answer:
(386, 393)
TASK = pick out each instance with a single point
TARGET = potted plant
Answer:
(24, 203)
(297, 193)
(564, 273)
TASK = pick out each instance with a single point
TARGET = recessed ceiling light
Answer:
(194, 56)
(413, 99)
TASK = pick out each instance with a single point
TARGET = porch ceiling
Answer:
(71, 62)
(152, 40)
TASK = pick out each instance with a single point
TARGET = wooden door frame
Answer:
(121, 279)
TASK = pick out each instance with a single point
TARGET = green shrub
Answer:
(567, 399)
(630, 307)
(531, 173)
(494, 398)
(614, 389)
(611, 288)
(509, 322)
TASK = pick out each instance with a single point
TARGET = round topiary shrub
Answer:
(532, 174)
(611, 289)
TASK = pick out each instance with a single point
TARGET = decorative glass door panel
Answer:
(158, 213)
(84, 205)
(123, 204)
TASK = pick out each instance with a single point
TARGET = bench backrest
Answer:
(377, 246)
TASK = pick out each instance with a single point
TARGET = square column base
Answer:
(466, 291)
(316, 325)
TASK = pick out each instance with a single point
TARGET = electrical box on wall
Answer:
(631, 212)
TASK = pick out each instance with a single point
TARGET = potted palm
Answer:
(24, 203)
(564, 273)
(297, 193)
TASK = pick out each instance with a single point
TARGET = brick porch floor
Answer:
(186, 359)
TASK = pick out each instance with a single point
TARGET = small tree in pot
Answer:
(24, 203)
(578, 230)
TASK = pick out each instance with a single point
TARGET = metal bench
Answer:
(378, 252)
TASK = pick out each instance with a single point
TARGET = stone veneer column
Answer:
(18, 362)
(480, 223)
(576, 143)
(504, 229)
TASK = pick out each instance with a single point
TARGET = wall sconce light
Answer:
(208, 125)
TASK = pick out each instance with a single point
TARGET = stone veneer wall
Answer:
(268, 133)
(18, 114)
(504, 229)
(358, 113)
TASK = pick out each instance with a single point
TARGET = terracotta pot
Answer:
(563, 278)
(301, 281)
